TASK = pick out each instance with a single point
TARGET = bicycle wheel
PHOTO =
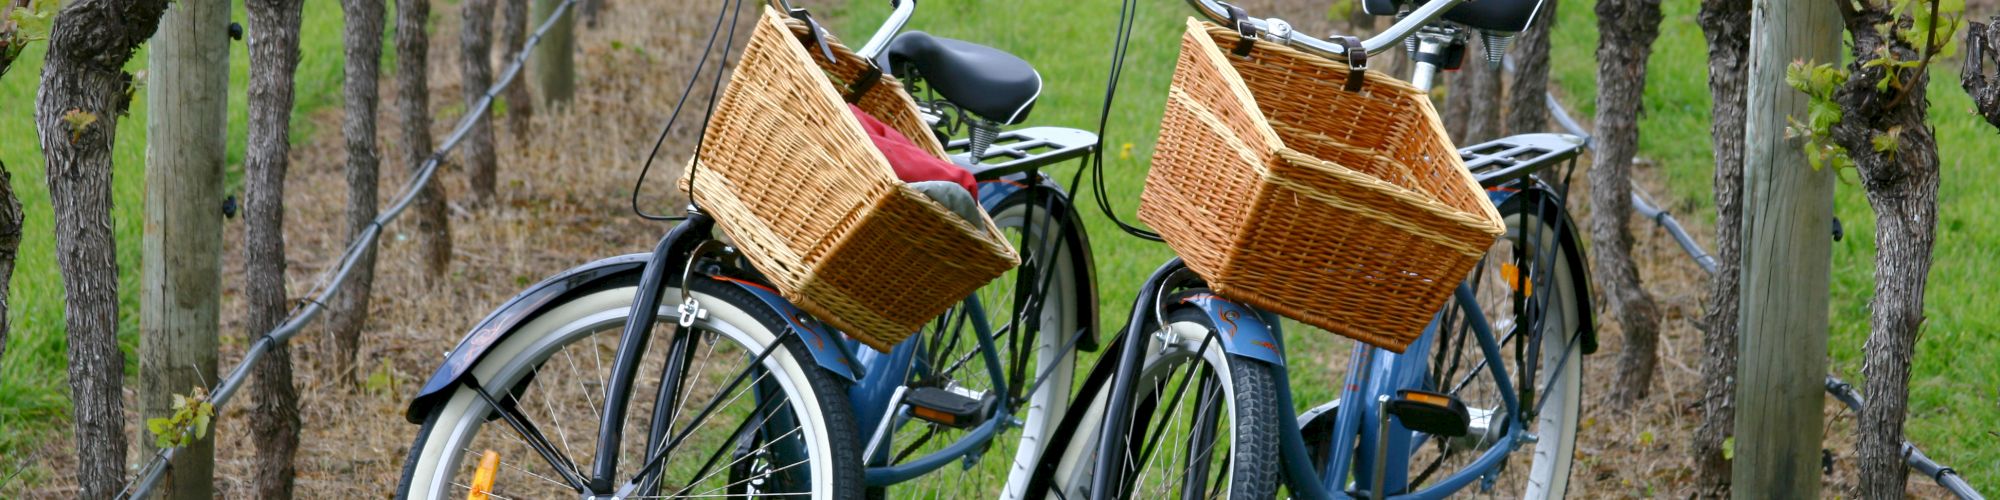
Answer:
(1203, 425)
(1529, 287)
(780, 427)
(1034, 353)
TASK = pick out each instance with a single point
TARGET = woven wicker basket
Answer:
(1348, 211)
(794, 182)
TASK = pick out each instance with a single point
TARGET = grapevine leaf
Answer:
(34, 20)
(1886, 141)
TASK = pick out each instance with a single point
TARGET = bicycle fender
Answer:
(1245, 332)
(1579, 268)
(993, 191)
(596, 276)
(828, 348)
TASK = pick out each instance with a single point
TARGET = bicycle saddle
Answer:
(983, 80)
(1507, 16)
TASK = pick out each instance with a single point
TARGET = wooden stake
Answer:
(180, 287)
(1787, 252)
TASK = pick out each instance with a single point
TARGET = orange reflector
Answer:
(1512, 274)
(482, 480)
(934, 415)
(1427, 398)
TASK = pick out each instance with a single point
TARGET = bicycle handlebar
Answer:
(897, 18)
(1277, 30)
(890, 26)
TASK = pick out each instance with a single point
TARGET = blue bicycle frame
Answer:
(874, 396)
(1379, 374)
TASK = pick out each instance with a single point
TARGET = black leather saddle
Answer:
(1506, 16)
(986, 81)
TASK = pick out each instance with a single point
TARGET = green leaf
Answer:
(34, 20)
(1729, 448)
(1798, 76)
(1645, 438)
(1886, 141)
(189, 422)
(159, 425)
(1823, 115)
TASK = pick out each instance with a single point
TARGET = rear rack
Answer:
(1016, 151)
(1502, 160)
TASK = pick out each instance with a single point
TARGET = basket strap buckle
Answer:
(1248, 33)
(818, 33)
(1357, 61)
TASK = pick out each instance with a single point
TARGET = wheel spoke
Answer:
(560, 461)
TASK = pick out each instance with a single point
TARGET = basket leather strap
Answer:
(862, 83)
(818, 33)
(1357, 61)
(1239, 19)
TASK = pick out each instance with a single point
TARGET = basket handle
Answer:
(1357, 61)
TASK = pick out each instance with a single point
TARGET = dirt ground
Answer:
(564, 183)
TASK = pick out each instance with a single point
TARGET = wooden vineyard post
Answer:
(553, 63)
(180, 287)
(1787, 252)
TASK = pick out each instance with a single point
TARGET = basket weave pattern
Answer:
(1346, 211)
(794, 181)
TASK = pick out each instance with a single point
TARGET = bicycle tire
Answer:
(1249, 394)
(825, 422)
(1559, 275)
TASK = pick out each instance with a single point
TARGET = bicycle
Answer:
(1198, 395)
(824, 417)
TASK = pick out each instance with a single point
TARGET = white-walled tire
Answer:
(796, 413)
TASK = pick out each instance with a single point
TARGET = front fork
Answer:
(668, 258)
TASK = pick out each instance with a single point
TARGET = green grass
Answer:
(34, 393)
(1953, 385)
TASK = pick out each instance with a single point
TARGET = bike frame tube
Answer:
(872, 395)
(882, 389)
(1355, 425)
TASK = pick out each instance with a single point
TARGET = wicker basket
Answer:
(1348, 211)
(794, 182)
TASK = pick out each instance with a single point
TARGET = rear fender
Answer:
(994, 191)
(828, 348)
(1526, 191)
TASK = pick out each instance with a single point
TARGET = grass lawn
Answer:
(34, 393)
(1954, 387)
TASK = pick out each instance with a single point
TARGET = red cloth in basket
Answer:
(911, 163)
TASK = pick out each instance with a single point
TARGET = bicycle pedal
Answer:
(947, 407)
(1430, 412)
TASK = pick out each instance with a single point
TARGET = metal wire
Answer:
(331, 281)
